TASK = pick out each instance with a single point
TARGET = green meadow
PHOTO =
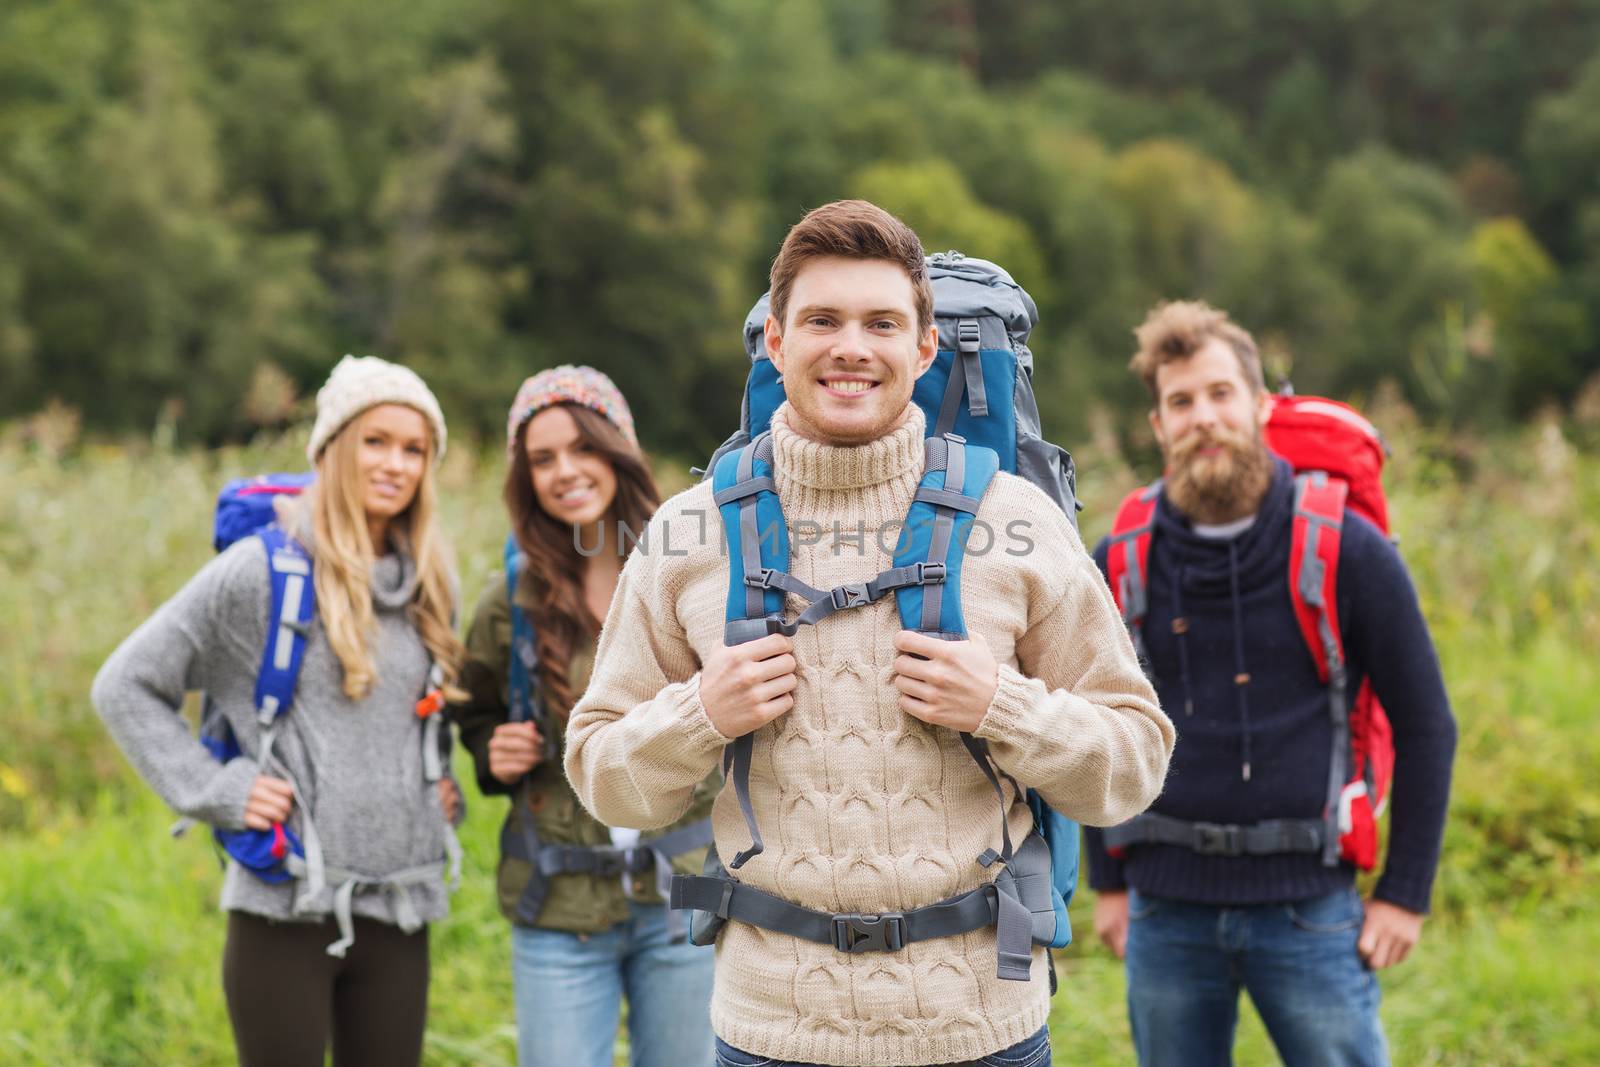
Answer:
(110, 939)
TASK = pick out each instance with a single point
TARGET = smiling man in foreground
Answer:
(869, 799)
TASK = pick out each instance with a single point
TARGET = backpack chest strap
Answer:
(746, 496)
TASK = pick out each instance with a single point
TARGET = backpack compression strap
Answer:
(1128, 559)
(1313, 586)
(966, 378)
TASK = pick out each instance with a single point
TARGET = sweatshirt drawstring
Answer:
(1180, 627)
(1241, 677)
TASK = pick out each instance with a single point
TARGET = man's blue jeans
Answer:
(569, 992)
(1029, 1052)
(1298, 961)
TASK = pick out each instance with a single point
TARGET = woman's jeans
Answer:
(1298, 961)
(569, 990)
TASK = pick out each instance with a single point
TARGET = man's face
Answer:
(849, 349)
(1208, 421)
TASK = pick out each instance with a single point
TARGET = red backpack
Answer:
(1338, 459)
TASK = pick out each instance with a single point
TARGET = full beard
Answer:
(1212, 490)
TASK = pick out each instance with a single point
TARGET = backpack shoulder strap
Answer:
(1128, 561)
(929, 561)
(1128, 555)
(1319, 503)
(524, 665)
(1313, 587)
(746, 496)
(933, 541)
(293, 607)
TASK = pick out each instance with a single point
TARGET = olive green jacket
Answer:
(579, 903)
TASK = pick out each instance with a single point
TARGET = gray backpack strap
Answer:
(846, 931)
(1010, 904)
(966, 378)
(662, 849)
(736, 766)
(1267, 838)
(521, 842)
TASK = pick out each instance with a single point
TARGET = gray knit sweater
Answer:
(357, 763)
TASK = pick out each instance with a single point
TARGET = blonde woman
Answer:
(339, 774)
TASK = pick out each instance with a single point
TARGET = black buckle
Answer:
(615, 862)
(609, 864)
(762, 579)
(930, 573)
(967, 336)
(854, 595)
(1214, 839)
(869, 933)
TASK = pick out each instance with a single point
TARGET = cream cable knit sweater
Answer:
(863, 807)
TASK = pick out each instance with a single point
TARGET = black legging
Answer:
(287, 996)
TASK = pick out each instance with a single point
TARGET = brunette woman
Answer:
(589, 925)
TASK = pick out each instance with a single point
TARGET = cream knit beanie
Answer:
(357, 384)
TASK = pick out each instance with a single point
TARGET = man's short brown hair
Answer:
(853, 229)
(1178, 329)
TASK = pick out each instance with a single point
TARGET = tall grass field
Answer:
(110, 939)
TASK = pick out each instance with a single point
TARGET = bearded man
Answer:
(1214, 893)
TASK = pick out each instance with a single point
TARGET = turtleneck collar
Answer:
(394, 577)
(801, 462)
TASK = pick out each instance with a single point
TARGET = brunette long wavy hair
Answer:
(561, 615)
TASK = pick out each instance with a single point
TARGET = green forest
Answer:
(203, 205)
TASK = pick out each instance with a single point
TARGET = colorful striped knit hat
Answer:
(569, 385)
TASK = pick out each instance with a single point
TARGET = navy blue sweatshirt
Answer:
(1235, 594)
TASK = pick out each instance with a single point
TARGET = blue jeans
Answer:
(1029, 1052)
(1298, 961)
(569, 991)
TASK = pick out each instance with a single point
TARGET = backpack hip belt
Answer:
(650, 855)
(1266, 838)
(397, 884)
(727, 898)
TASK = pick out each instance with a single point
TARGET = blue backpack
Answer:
(982, 418)
(245, 508)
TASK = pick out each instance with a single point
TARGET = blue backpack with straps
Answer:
(245, 508)
(982, 418)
